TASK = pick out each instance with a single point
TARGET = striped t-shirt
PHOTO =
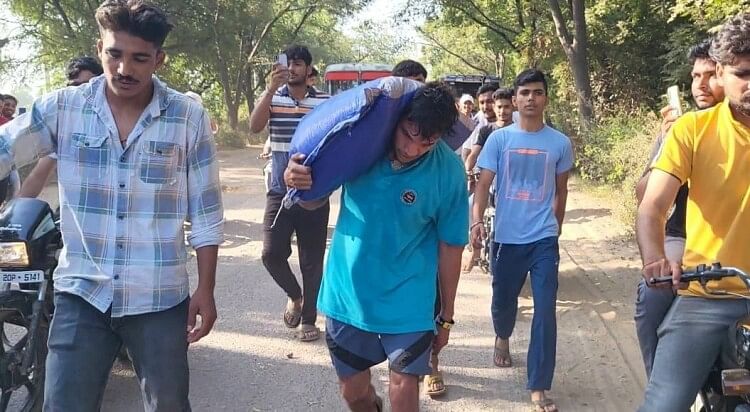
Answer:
(286, 114)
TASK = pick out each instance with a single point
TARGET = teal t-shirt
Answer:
(381, 273)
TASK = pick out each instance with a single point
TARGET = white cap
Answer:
(195, 96)
(465, 98)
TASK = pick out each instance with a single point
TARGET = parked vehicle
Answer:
(30, 242)
(343, 76)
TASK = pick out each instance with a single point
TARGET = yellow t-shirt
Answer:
(710, 150)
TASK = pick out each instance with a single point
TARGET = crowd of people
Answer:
(136, 159)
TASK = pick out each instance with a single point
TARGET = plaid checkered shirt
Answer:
(123, 209)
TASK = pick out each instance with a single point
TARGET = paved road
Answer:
(251, 362)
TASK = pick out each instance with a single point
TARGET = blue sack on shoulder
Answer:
(345, 136)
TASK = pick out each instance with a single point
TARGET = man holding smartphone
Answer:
(282, 106)
(652, 304)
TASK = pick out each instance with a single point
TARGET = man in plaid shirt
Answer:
(136, 159)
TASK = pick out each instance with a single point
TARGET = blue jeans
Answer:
(510, 265)
(691, 338)
(83, 343)
(652, 304)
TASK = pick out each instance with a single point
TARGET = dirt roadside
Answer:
(251, 362)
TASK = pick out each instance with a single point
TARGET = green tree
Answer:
(374, 42)
(707, 14)
(575, 44)
(220, 47)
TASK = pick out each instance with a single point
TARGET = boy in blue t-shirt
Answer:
(400, 224)
(531, 162)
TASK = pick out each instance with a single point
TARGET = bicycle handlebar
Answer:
(704, 273)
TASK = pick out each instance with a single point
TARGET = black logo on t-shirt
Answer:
(409, 196)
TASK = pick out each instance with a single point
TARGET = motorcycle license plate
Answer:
(28, 276)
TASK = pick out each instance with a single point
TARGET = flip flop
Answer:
(308, 333)
(501, 356)
(543, 405)
(292, 315)
(467, 265)
(434, 385)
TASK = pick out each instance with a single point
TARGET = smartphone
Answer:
(282, 60)
(673, 97)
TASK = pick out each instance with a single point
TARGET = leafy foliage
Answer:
(222, 49)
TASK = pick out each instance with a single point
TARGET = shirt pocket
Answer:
(91, 155)
(159, 162)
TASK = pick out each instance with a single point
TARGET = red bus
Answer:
(340, 77)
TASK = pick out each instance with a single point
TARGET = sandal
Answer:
(308, 333)
(468, 265)
(434, 385)
(501, 357)
(292, 315)
(544, 405)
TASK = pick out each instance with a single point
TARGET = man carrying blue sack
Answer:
(378, 290)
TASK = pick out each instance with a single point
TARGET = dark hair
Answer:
(433, 109)
(409, 68)
(485, 88)
(10, 97)
(503, 93)
(135, 17)
(699, 51)
(298, 52)
(79, 64)
(530, 76)
(314, 72)
(732, 40)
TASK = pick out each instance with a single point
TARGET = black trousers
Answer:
(311, 227)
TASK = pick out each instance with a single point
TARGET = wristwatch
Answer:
(445, 324)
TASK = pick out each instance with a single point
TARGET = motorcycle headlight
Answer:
(13, 254)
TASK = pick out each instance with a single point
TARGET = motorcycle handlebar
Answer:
(704, 273)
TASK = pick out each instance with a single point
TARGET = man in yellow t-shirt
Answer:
(718, 215)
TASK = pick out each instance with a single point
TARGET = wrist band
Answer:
(475, 224)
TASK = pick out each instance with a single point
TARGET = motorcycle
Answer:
(30, 240)
(727, 387)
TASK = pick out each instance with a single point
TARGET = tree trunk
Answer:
(233, 117)
(250, 89)
(579, 66)
(224, 78)
(226, 87)
(576, 50)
